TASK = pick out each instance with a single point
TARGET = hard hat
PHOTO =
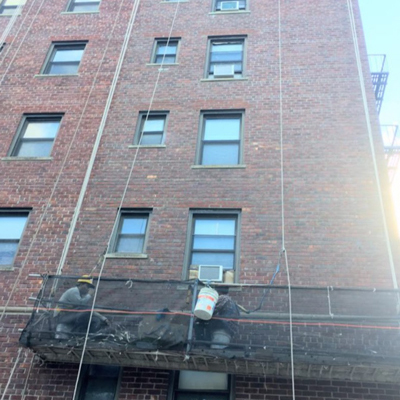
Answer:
(86, 279)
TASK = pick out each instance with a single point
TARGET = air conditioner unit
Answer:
(229, 5)
(212, 273)
(224, 71)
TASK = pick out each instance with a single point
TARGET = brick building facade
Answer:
(173, 134)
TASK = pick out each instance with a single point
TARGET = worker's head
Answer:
(84, 283)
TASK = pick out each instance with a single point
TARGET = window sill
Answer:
(8, 15)
(79, 12)
(174, 1)
(126, 255)
(147, 146)
(159, 65)
(6, 268)
(26, 158)
(222, 79)
(239, 166)
(54, 75)
(229, 12)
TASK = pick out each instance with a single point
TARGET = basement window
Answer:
(198, 385)
(99, 382)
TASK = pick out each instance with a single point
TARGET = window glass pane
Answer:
(214, 243)
(84, 7)
(154, 138)
(7, 253)
(63, 55)
(11, 227)
(222, 129)
(224, 259)
(215, 226)
(133, 225)
(86, 1)
(13, 2)
(195, 380)
(226, 57)
(130, 245)
(227, 47)
(62, 69)
(166, 59)
(163, 48)
(220, 154)
(154, 124)
(43, 129)
(34, 149)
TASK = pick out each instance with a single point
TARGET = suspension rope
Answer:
(283, 250)
(12, 373)
(63, 164)
(23, 38)
(371, 141)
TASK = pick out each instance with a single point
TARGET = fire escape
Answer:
(390, 133)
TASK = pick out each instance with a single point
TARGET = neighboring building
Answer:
(165, 135)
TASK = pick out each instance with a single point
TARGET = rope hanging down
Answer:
(116, 76)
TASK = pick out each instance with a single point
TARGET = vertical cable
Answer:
(371, 141)
(283, 202)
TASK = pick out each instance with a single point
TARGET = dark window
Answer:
(99, 382)
(8, 7)
(220, 139)
(83, 5)
(226, 5)
(225, 58)
(196, 385)
(165, 51)
(214, 239)
(64, 59)
(12, 225)
(151, 128)
(131, 234)
(36, 136)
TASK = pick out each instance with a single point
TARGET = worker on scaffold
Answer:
(77, 298)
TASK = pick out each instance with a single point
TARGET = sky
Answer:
(381, 23)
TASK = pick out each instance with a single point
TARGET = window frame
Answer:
(210, 214)
(72, 3)
(3, 7)
(48, 63)
(19, 136)
(215, 4)
(15, 212)
(236, 38)
(157, 42)
(223, 114)
(140, 125)
(173, 387)
(85, 376)
(116, 236)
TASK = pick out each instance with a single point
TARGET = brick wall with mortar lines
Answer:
(334, 230)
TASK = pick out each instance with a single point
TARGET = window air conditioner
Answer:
(213, 273)
(224, 71)
(229, 5)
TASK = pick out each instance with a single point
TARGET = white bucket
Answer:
(206, 301)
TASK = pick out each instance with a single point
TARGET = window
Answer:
(165, 51)
(220, 139)
(64, 59)
(197, 385)
(151, 128)
(36, 136)
(12, 225)
(132, 229)
(213, 239)
(84, 5)
(225, 58)
(8, 7)
(227, 5)
(99, 382)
